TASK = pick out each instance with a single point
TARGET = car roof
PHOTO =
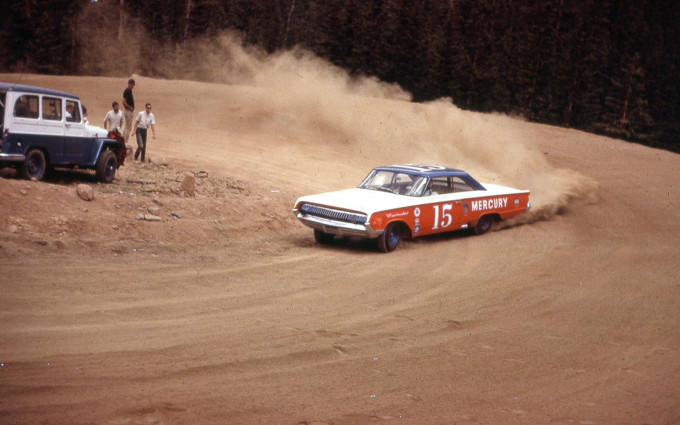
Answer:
(5, 87)
(432, 171)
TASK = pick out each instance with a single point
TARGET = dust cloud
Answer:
(310, 102)
(376, 123)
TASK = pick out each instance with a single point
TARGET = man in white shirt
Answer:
(69, 111)
(144, 120)
(113, 121)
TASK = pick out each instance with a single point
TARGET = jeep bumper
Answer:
(12, 157)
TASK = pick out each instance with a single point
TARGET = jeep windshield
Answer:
(397, 182)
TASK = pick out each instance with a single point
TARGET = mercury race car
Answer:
(409, 201)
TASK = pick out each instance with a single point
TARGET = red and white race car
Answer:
(409, 201)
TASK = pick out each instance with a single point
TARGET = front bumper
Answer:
(336, 227)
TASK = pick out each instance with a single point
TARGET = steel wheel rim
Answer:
(393, 236)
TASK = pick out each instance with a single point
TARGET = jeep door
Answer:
(50, 128)
(75, 145)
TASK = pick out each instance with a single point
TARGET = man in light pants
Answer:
(144, 120)
(128, 108)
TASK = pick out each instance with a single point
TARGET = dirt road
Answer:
(229, 312)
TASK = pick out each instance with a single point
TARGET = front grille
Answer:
(333, 214)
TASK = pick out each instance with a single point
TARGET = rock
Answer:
(157, 201)
(86, 192)
(13, 228)
(154, 210)
(176, 214)
(149, 217)
(158, 159)
(189, 184)
(23, 192)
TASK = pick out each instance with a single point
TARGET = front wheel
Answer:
(323, 237)
(35, 165)
(390, 238)
(106, 166)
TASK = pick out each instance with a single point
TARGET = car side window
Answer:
(439, 185)
(460, 185)
(51, 108)
(26, 106)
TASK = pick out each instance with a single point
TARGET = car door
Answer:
(447, 208)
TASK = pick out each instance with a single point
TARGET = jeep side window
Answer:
(72, 111)
(26, 107)
(51, 108)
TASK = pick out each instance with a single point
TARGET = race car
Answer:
(409, 201)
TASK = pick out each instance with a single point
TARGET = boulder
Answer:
(86, 192)
(189, 184)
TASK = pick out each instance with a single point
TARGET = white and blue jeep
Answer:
(43, 128)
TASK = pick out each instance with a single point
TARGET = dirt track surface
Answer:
(231, 313)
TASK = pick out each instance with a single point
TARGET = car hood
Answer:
(361, 200)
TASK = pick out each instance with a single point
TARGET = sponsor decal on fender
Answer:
(489, 204)
(401, 214)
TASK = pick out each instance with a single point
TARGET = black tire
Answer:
(484, 224)
(35, 165)
(390, 238)
(106, 166)
(323, 237)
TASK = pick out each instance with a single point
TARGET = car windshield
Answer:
(397, 182)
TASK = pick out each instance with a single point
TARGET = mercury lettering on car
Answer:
(489, 204)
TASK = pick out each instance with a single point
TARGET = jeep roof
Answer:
(5, 87)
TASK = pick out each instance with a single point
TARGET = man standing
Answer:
(142, 123)
(128, 107)
(113, 121)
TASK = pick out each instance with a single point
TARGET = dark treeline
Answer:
(605, 66)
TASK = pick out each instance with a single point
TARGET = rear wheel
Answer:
(323, 237)
(106, 166)
(484, 224)
(390, 238)
(35, 165)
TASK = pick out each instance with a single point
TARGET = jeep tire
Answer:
(35, 165)
(106, 166)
